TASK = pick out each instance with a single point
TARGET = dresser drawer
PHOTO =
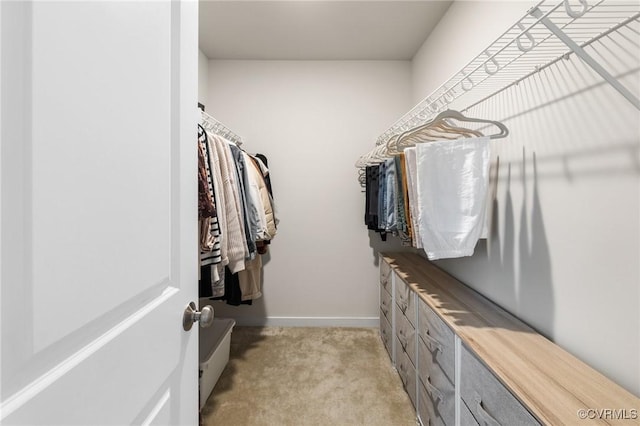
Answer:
(436, 406)
(405, 301)
(385, 303)
(407, 374)
(466, 418)
(386, 334)
(438, 339)
(385, 275)
(406, 335)
(440, 390)
(488, 400)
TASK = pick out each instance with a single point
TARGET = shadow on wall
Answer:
(501, 258)
(526, 277)
(520, 268)
(536, 282)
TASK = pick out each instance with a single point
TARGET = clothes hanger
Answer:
(457, 115)
(443, 129)
(432, 132)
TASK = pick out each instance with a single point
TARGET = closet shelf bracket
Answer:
(588, 59)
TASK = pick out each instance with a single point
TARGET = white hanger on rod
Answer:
(216, 127)
(440, 128)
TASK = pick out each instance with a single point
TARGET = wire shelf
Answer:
(526, 48)
(216, 127)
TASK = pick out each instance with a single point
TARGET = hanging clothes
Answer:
(412, 184)
(371, 198)
(267, 179)
(401, 216)
(382, 200)
(250, 280)
(235, 189)
(453, 180)
(390, 218)
(249, 220)
(374, 191)
(209, 226)
(235, 238)
(258, 210)
(408, 225)
(206, 208)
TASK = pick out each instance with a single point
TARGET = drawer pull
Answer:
(403, 378)
(485, 418)
(434, 392)
(432, 344)
(402, 369)
(403, 339)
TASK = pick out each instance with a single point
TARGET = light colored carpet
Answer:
(308, 376)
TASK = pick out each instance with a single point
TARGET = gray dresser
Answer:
(465, 361)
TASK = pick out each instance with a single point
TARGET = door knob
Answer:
(191, 315)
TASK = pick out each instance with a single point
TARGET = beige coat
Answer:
(260, 171)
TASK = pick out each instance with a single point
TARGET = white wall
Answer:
(565, 243)
(312, 120)
(203, 79)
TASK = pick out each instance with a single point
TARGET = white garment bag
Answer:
(452, 186)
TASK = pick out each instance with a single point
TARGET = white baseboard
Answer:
(308, 321)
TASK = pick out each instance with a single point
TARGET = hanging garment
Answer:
(371, 198)
(271, 209)
(250, 279)
(234, 238)
(373, 188)
(209, 230)
(267, 178)
(401, 218)
(405, 196)
(232, 292)
(255, 208)
(249, 220)
(382, 201)
(391, 218)
(204, 283)
(210, 251)
(205, 202)
(452, 179)
(261, 201)
(219, 200)
(410, 163)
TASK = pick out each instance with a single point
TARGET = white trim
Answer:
(369, 322)
(457, 375)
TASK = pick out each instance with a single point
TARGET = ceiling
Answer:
(316, 30)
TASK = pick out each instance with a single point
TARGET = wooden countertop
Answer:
(553, 384)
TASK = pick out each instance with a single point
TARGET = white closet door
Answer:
(98, 212)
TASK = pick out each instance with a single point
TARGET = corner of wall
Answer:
(203, 78)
